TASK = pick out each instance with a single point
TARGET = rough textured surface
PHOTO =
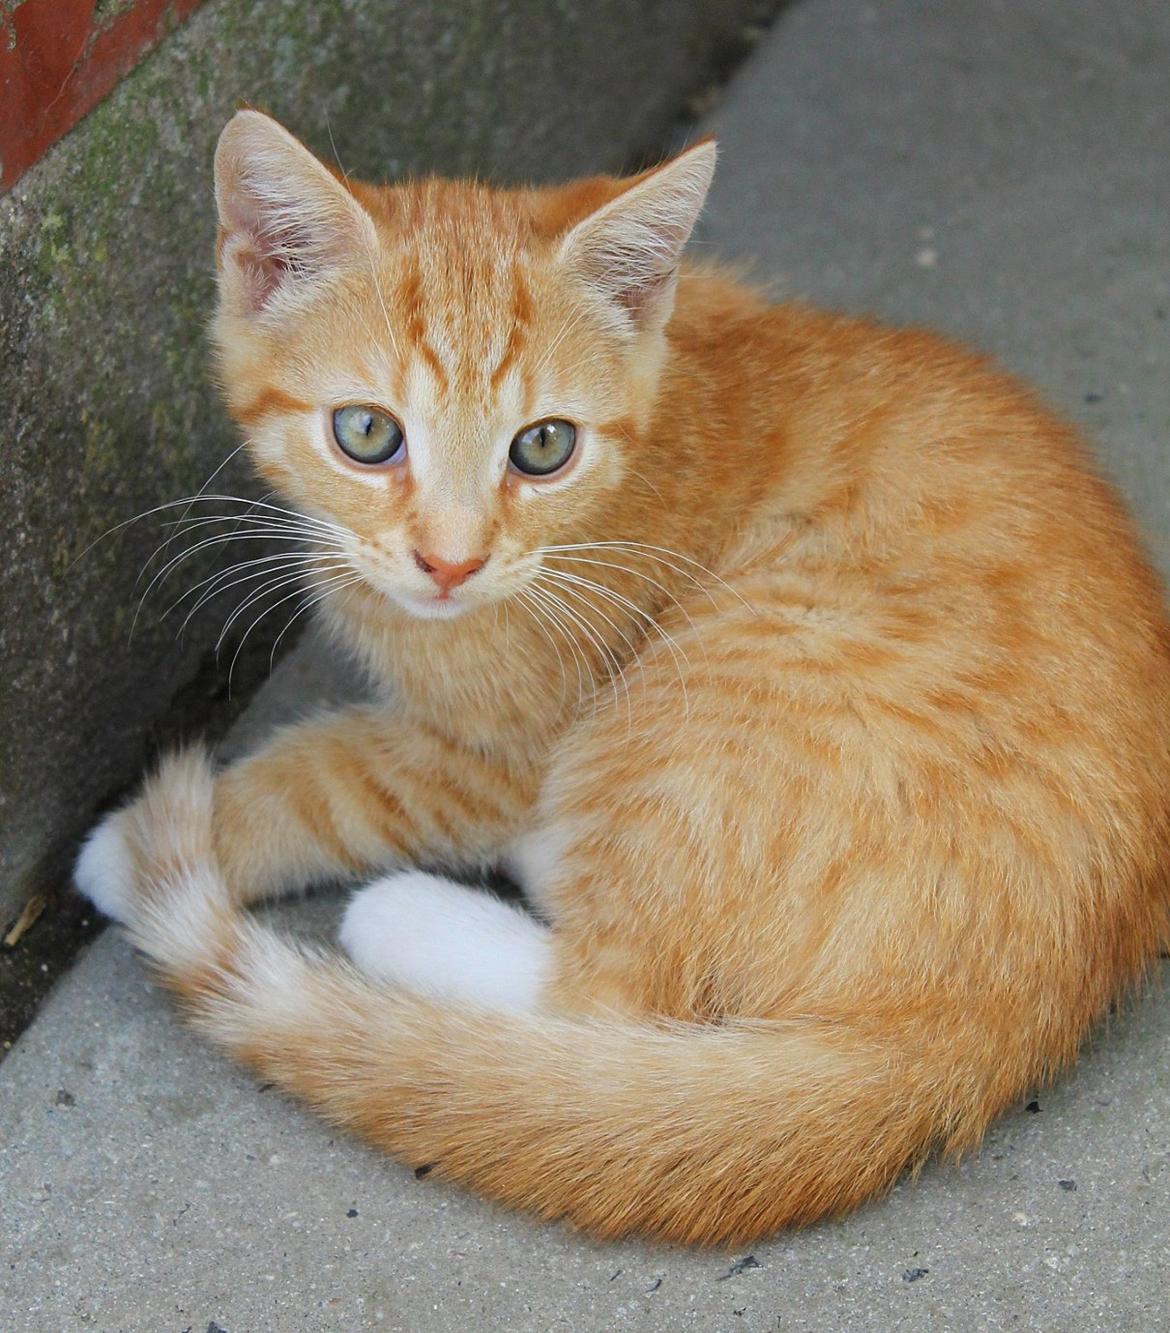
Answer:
(171, 1191)
(106, 407)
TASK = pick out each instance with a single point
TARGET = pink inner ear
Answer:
(262, 274)
(285, 218)
(629, 248)
(264, 255)
(638, 294)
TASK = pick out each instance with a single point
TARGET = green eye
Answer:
(366, 434)
(543, 448)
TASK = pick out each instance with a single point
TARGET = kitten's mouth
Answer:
(440, 607)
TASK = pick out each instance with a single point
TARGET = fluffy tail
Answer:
(696, 1135)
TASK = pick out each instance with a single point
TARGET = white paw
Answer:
(104, 870)
(436, 936)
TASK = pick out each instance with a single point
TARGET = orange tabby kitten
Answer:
(801, 669)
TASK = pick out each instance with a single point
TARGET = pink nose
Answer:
(446, 573)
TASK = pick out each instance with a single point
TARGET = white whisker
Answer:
(274, 584)
(208, 499)
(330, 587)
(609, 664)
(634, 657)
(678, 655)
(242, 445)
(533, 610)
(647, 483)
(223, 582)
(161, 575)
(613, 564)
(569, 323)
(261, 528)
(657, 552)
(370, 239)
(280, 602)
(552, 614)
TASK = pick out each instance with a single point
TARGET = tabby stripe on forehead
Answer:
(517, 335)
(411, 303)
(268, 400)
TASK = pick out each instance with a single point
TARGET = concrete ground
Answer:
(997, 168)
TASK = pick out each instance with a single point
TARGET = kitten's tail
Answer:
(696, 1135)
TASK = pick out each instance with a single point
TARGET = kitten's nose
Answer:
(446, 573)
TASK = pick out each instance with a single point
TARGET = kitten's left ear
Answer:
(629, 249)
(285, 221)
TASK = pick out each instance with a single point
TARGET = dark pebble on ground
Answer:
(740, 1266)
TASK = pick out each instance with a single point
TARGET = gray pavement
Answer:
(998, 170)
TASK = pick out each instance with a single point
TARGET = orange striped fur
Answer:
(845, 788)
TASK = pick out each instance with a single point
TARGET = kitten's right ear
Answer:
(285, 221)
(629, 249)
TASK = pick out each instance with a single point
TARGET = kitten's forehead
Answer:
(462, 240)
(463, 301)
(464, 285)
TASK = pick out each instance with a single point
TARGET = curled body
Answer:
(802, 670)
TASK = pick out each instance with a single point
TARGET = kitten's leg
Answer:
(358, 791)
(343, 795)
(434, 935)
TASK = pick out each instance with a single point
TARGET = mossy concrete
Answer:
(106, 407)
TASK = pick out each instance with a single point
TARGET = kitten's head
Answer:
(447, 372)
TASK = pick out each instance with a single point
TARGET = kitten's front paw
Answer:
(104, 870)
